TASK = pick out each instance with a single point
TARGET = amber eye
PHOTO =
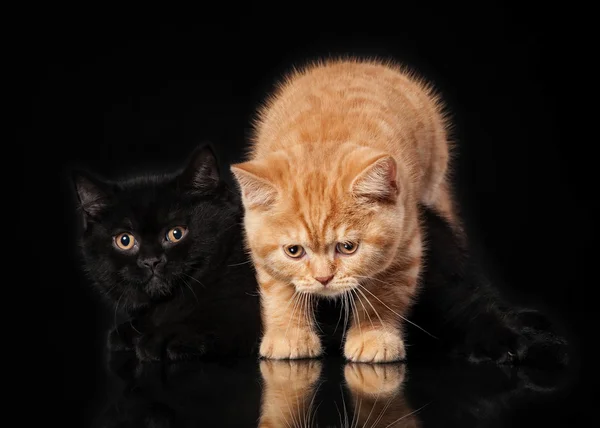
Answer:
(176, 234)
(294, 251)
(346, 248)
(124, 241)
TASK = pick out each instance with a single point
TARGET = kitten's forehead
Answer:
(318, 229)
(145, 208)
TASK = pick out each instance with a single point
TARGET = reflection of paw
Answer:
(374, 379)
(290, 374)
(295, 344)
(374, 346)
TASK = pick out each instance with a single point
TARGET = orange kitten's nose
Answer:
(324, 279)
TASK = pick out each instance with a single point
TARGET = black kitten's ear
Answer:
(91, 193)
(202, 171)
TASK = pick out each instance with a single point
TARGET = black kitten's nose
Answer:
(151, 262)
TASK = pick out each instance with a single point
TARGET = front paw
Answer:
(121, 338)
(374, 346)
(295, 344)
(190, 346)
(150, 347)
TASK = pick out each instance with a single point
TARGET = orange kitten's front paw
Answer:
(374, 380)
(374, 346)
(295, 344)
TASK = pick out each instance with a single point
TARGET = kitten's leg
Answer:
(379, 307)
(289, 330)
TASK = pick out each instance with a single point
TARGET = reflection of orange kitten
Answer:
(342, 155)
(289, 388)
(378, 397)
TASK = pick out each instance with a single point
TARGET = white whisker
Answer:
(396, 313)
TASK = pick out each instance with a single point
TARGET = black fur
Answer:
(469, 313)
(195, 297)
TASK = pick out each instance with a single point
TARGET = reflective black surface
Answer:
(330, 393)
(118, 91)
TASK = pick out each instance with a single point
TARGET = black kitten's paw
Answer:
(121, 338)
(493, 341)
(174, 344)
(521, 337)
(545, 345)
(150, 347)
(189, 346)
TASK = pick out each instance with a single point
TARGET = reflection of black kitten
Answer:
(465, 311)
(182, 394)
(167, 251)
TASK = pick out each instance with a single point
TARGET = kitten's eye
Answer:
(124, 241)
(346, 248)
(175, 234)
(294, 251)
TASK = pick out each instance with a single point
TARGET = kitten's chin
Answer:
(157, 288)
(328, 292)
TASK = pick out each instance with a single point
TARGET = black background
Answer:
(114, 94)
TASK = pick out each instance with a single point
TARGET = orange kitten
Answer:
(342, 154)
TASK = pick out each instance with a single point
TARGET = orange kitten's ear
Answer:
(256, 190)
(377, 180)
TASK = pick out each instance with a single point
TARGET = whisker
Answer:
(191, 277)
(116, 309)
(409, 414)
(372, 307)
(364, 308)
(188, 286)
(371, 412)
(296, 299)
(239, 264)
(396, 313)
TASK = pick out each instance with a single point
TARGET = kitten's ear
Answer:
(377, 180)
(257, 191)
(92, 194)
(202, 171)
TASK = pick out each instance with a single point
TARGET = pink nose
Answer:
(324, 279)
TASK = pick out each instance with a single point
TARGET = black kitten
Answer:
(469, 313)
(167, 251)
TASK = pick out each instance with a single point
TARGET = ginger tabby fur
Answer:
(342, 153)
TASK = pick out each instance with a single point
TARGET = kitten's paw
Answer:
(290, 374)
(374, 379)
(295, 344)
(374, 346)
(520, 337)
(150, 347)
(121, 338)
(187, 346)
(544, 345)
(496, 343)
